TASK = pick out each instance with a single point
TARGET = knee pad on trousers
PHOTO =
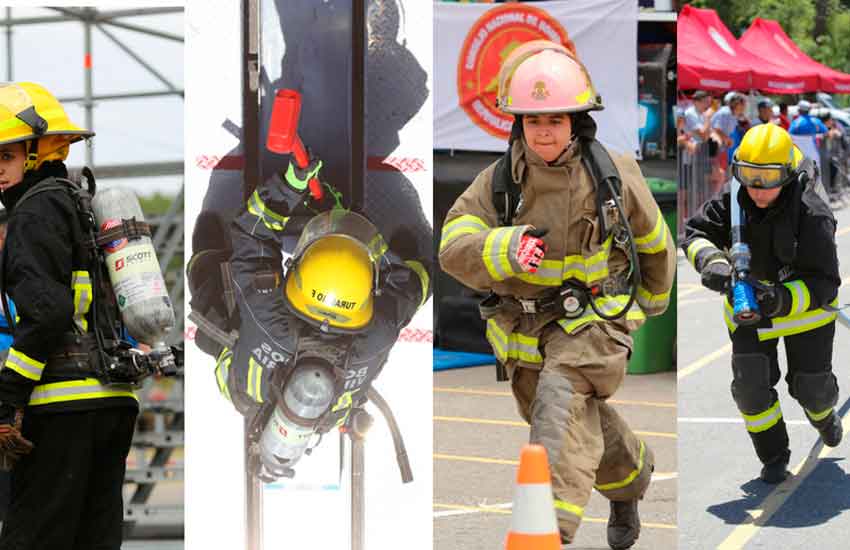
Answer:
(751, 382)
(816, 392)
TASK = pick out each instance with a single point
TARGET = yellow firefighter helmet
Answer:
(331, 278)
(767, 157)
(29, 113)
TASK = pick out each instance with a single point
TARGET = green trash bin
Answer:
(655, 342)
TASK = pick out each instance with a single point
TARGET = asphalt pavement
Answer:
(477, 438)
(722, 504)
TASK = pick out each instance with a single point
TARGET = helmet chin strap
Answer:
(32, 155)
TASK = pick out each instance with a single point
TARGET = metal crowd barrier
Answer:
(694, 172)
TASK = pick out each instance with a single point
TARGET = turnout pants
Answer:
(589, 445)
(67, 493)
(755, 371)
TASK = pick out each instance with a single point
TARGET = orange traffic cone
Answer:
(533, 523)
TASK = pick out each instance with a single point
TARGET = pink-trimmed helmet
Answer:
(545, 77)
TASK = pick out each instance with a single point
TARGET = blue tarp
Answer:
(444, 360)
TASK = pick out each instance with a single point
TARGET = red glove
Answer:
(531, 251)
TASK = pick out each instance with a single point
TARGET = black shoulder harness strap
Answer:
(599, 164)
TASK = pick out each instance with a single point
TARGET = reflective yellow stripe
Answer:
(498, 339)
(795, 324)
(24, 365)
(763, 421)
(462, 225)
(695, 247)
(76, 390)
(495, 253)
(800, 297)
(514, 346)
(424, 280)
(253, 386)
(15, 122)
(729, 316)
(629, 478)
(655, 240)
(817, 416)
(548, 274)
(569, 507)
(609, 306)
(81, 285)
(222, 371)
(270, 218)
(650, 301)
(345, 401)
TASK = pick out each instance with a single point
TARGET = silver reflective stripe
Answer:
(19, 363)
(495, 242)
(793, 326)
(76, 390)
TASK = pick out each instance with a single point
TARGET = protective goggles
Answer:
(763, 176)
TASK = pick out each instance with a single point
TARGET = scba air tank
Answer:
(134, 270)
(306, 396)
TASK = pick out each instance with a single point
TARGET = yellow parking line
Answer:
(521, 424)
(742, 534)
(509, 394)
(480, 459)
(687, 292)
(703, 361)
(488, 510)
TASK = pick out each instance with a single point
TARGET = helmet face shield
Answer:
(764, 176)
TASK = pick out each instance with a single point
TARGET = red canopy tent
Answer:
(710, 58)
(767, 39)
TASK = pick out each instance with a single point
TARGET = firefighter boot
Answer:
(776, 471)
(623, 524)
(831, 431)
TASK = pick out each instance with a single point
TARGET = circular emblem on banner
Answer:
(490, 40)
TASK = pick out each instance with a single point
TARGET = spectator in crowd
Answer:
(805, 124)
(765, 110)
(783, 116)
(723, 125)
(698, 119)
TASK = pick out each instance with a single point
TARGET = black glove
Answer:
(717, 276)
(298, 178)
(774, 301)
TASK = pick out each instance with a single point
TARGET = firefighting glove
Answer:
(13, 445)
(299, 178)
(774, 300)
(717, 275)
(531, 250)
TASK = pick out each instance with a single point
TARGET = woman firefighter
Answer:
(65, 433)
(574, 264)
(790, 232)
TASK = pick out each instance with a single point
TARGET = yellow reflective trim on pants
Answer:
(81, 285)
(462, 225)
(569, 507)
(424, 280)
(253, 386)
(763, 421)
(270, 218)
(514, 346)
(629, 478)
(801, 300)
(655, 240)
(222, 371)
(695, 247)
(796, 324)
(76, 390)
(24, 365)
(818, 416)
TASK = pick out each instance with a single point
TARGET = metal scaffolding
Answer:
(160, 432)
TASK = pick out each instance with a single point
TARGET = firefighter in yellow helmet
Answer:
(331, 307)
(562, 302)
(790, 232)
(64, 434)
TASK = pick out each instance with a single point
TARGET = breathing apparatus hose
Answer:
(635, 275)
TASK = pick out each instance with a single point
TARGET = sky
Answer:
(128, 131)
